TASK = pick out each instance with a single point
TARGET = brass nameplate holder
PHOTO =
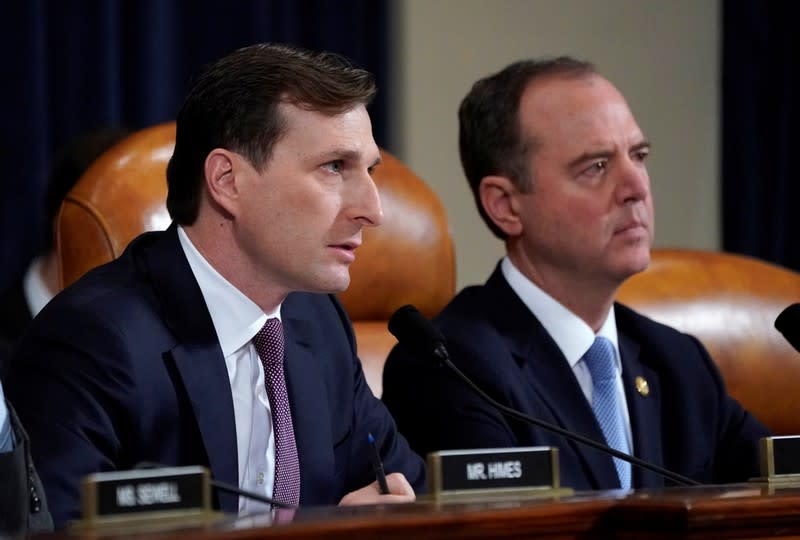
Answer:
(149, 497)
(780, 461)
(494, 473)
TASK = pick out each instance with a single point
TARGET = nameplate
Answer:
(499, 471)
(146, 493)
(780, 459)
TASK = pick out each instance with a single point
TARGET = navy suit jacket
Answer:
(23, 504)
(686, 423)
(15, 316)
(124, 366)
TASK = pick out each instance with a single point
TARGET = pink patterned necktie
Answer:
(269, 345)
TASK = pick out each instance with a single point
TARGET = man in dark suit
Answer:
(22, 497)
(23, 505)
(557, 165)
(23, 299)
(217, 342)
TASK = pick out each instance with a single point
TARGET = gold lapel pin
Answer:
(641, 386)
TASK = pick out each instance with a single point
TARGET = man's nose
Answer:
(366, 205)
(633, 183)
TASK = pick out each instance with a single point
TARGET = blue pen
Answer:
(377, 465)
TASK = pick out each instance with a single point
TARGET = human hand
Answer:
(400, 491)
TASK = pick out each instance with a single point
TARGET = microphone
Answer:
(418, 335)
(788, 324)
(222, 486)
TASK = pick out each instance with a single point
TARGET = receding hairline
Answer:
(529, 92)
(284, 106)
(563, 76)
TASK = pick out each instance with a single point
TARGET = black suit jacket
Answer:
(686, 423)
(15, 316)
(124, 366)
(23, 505)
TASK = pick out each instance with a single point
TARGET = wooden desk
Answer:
(741, 511)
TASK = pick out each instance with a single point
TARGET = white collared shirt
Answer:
(237, 319)
(572, 335)
(37, 295)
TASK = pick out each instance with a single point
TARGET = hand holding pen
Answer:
(392, 488)
(377, 465)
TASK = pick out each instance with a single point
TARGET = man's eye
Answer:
(593, 170)
(334, 166)
(597, 167)
(642, 155)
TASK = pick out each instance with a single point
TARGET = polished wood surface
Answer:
(409, 259)
(741, 511)
(723, 512)
(730, 303)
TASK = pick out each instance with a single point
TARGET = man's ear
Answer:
(498, 197)
(220, 175)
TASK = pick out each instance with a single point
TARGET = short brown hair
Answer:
(234, 105)
(490, 139)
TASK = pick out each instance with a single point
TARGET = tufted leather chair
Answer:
(730, 303)
(408, 259)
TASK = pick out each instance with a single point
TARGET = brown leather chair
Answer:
(730, 303)
(408, 259)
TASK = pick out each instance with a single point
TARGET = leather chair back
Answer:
(730, 303)
(408, 259)
(121, 195)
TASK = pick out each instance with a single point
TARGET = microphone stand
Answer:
(222, 486)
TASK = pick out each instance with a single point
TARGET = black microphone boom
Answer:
(222, 486)
(415, 332)
(788, 324)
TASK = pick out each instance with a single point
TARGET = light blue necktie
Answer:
(600, 359)
(6, 438)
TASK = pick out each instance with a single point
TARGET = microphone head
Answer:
(416, 333)
(788, 324)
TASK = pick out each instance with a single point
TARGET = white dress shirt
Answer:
(572, 335)
(37, 295)
(237, 319)
(6, 433)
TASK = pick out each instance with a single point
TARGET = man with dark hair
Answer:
(22, 498)
(20, 302)
(218, 341)
(557, 165)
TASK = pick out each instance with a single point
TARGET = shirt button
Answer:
(260, 477)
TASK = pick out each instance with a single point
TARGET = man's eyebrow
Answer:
(349, 155)
(342, 153)
(589, 156)
(604, 154)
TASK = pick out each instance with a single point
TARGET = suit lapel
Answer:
(308, 398)
(197, 355)
(549, 374)
(553, 379)
(644, 408)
